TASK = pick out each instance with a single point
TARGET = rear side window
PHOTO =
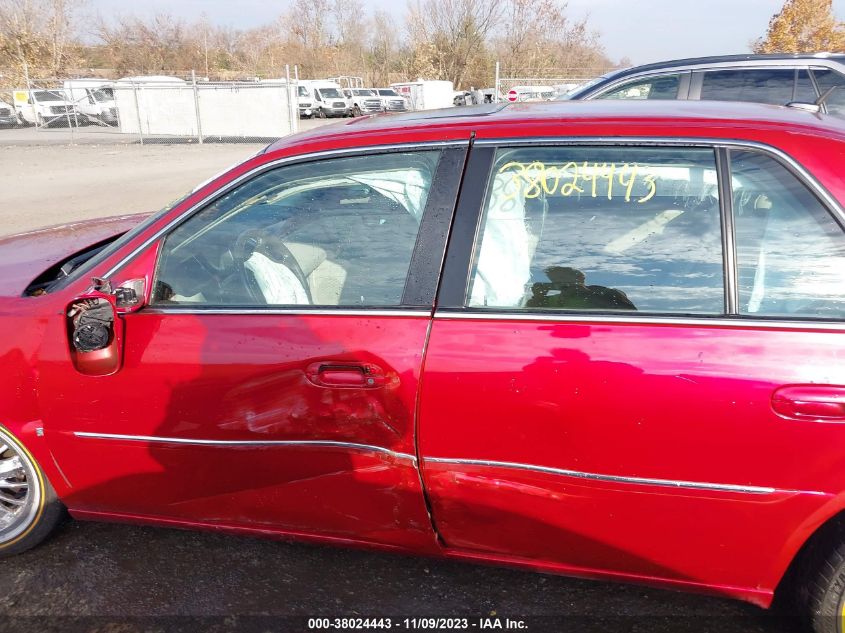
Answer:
(773, 85)
(601, 229)
(790, 251)
(663, 87)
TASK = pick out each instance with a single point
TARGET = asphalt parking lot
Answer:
(99, 577)
(124, 578)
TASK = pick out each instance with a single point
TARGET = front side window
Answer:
(335, 232)
(664, 87)
(601, 229)
(768, 85)
(790, 251)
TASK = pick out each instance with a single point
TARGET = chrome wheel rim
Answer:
(20, 490)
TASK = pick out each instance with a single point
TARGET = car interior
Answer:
(343, 238)
(603, 252)
(593, 250)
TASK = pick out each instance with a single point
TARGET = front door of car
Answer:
(599, 395)
(272, 380)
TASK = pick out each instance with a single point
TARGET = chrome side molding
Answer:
(155, 439)
(642, 481)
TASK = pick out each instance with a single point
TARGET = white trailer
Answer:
(427, 95)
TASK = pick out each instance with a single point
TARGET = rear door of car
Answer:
(634, 366)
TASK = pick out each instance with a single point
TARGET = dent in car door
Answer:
(236, 411)
(581, 406)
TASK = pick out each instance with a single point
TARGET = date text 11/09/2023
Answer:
(429, 624)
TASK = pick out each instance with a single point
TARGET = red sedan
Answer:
(601, 339)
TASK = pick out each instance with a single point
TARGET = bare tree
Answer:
(539, 39)
(37, 35)
(452, 34)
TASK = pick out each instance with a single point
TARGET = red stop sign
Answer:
(512, 96)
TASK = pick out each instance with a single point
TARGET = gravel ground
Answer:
(124, 578)
(45, 181)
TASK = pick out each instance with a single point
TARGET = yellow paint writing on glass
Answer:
(531, 180)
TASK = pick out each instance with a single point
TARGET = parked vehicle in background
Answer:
(463, 98)
(427, 95)
(774, 79)
(564, 89)
(604, 340)
(44, 107)
(489, 95)
(329, 100)
(94, 99)
(520, 94)
(363, 101)
(305, 102)
(391, 100)
(8, 116)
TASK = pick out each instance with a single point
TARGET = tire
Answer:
(356, 111)
(321, 113)
(24, 525)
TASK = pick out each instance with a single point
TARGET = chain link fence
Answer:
(151, 109)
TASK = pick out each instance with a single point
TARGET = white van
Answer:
(305, 102)
(329, 100)
(44, 107)
(94, 99)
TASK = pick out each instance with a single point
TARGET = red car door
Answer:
(271, 381)
(635, 368)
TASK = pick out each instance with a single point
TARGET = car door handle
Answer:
(345, 375)
(822, 403)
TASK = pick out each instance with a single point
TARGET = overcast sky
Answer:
(643, 30)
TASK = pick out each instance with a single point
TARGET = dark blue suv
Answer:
(775, 79)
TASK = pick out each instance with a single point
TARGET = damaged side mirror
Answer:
(95, 329)
(95, 333)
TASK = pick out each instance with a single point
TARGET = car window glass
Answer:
(805, 92)
(827, 79)
(600, 228)
(664, 87)
(336, 232)
(768, 85)
(790, 251)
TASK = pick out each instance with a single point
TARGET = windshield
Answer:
(45, 95)
(388, 93)
(303, 91)
(330, 93)
(363, 93)
(103, 94)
